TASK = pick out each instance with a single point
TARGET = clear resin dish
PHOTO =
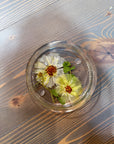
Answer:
(60, 77)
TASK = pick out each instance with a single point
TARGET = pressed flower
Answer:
(41, 77)
(48, 68)
(68, 87)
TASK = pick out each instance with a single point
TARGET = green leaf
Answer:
(72, 68)
(54, 93)
(66, 63)
(66, 69)
(61, 100)
(72, 75)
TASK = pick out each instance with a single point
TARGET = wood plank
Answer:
(85, 23)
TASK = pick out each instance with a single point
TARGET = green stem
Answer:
(52, 97)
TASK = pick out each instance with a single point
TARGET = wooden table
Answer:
(25, 25)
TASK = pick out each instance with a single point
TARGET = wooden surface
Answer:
(25, 25)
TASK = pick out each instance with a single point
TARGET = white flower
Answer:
(47, 68)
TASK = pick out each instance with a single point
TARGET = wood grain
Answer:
(18, 9)
(24, 27)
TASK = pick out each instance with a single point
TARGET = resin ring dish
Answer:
(84, 70)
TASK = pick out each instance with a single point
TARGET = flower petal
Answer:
(77, 88)
(73, 98)
(50, 83)
(36, 71)
(60, 90)
(39, 65)
(60, 62)
(65, 97)
(46, 79)
(74, 93)
(60, 71)
(61, 80)
(55, 61)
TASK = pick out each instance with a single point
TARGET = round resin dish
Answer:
(60, 77)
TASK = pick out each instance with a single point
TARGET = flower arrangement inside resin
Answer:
(54, 73)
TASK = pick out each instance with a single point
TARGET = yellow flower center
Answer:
(40, 74)
(51, 70)
(68, 89)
